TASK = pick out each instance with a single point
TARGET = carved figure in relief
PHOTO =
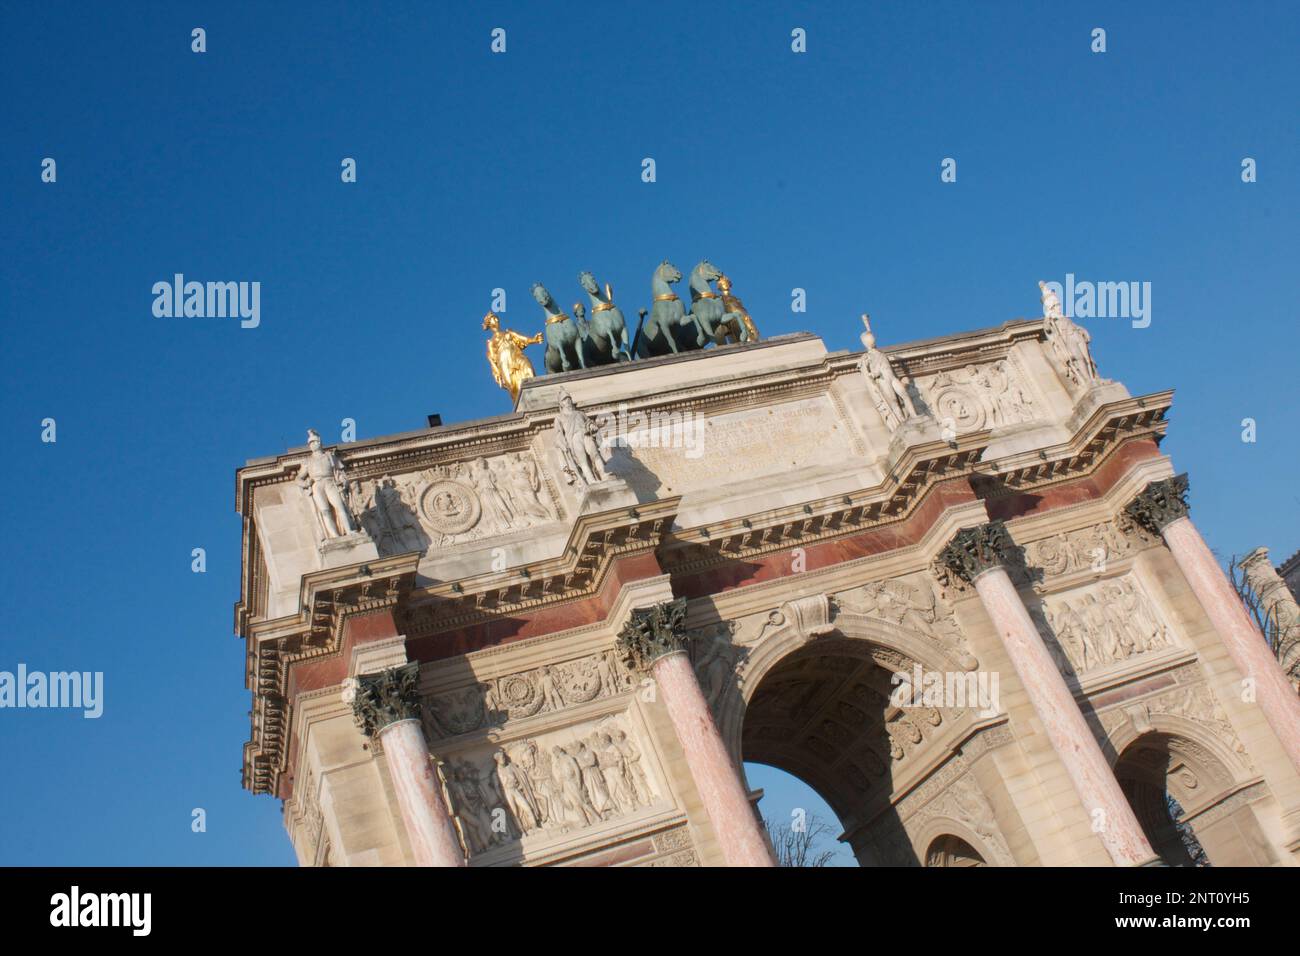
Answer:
(472, 805)
(632, 755)
(516, 794)
(535, 765)
(714, 668)
(614, 770)
(525, 484)
(397, 514)
(496, 513)
(607, 670)
(322, 479)
(594, 780)
(575, 796)
(551, 699)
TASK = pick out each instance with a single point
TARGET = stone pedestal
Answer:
(607, 495)
(348, 549)
(978, 554)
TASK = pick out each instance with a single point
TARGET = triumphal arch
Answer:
(951, 584)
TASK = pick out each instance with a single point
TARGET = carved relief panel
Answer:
(546, 689)
(979, 396)
(540, 790)
(452, 504)
(1102, 624)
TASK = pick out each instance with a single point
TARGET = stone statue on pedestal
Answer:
(889, 393)
(1068, 341)
(575, 441)
(322, 480)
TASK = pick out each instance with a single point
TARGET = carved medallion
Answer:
(450, 506)
(579, 681)
(956, 405)
(519, 695)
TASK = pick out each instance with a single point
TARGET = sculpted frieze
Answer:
(452, 504)
(978, 396)
(1102, 624)
(547, 689)
(549, 785)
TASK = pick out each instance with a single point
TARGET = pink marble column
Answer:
(419, 796)
(1162, 508)
(977, 554)
(716, 778)
(387, 708)
(653, 642)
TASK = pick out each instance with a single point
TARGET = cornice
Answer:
(580, 571)
(329, 599)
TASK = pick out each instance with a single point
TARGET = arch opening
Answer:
(1181, 793)
(823, 714)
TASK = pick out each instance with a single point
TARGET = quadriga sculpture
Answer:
(709, 310)
(564, 348)
(607, 330)
(669, 328)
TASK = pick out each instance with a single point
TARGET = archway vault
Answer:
(816, 703)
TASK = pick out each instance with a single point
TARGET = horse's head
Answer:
(707, 270)
(668, 272)
(588, 282)
(541, 295)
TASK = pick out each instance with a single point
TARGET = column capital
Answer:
(972, 551)
(651, 633)
(1160, 504)
(384, 698)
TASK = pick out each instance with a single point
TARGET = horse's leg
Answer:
(627, 351)
(667, 332)
(700, 338)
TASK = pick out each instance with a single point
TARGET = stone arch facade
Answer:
(1224, 802)
(822, 538)
(881, 782)
(809, 619)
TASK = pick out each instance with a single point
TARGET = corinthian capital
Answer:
(651, 633)
(972, 551)
(386, 697)
(1160, 504)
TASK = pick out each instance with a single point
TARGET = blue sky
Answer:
(475, 171)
